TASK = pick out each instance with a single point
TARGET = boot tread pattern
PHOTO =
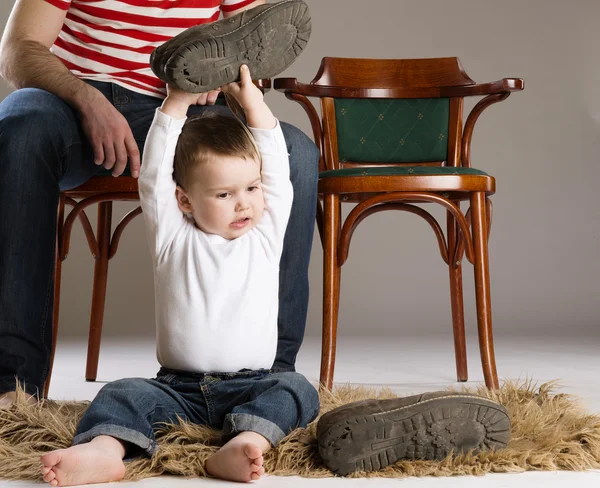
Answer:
(439, 428)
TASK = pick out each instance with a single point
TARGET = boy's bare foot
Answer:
(8, 398)
(98, 461)
(241, 459)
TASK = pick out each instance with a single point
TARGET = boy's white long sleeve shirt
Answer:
(216, 300)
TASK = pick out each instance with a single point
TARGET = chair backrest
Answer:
(405, 129)
(391, 111)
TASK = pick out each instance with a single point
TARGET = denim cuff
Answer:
(121, 433)
(243, 422)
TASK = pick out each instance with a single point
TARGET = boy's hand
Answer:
(251, 100)
(245, 92)
(178, 101)
(206, 98)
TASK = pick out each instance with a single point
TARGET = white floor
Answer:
(407, 365)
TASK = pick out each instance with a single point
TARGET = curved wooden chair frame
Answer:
(101, 190)
(466, 233)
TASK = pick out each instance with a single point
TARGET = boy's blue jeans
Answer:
(271, 404)
(42, 151)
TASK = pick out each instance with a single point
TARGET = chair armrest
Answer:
(292, 85)
(494, 92)
(501, 86)
(264, 84)
(494, 97)
(289, 86)
(285, 84)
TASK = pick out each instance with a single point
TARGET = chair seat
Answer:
(401, 170)
(104, 184)
(406, 178)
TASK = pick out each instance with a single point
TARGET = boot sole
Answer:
(268, 44)
(429, 430)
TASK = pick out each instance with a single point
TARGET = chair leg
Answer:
(99, 289)
(331, 288)
(456, 303)
(57, 275)
(482, 288)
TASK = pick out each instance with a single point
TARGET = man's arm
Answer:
(25, 57)
(26, 62)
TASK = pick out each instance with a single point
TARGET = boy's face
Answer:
(225, 196)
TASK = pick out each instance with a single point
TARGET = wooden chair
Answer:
(101, 190)
(392, 135)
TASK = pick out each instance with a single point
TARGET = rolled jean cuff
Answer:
(243, 422)
(118, 432)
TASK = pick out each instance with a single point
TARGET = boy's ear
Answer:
(183, 200)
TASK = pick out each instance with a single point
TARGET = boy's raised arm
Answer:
(156, 185)
(275, 170)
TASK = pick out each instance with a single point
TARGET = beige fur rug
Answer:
(549, 432)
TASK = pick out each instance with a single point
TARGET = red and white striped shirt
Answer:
(111, 40)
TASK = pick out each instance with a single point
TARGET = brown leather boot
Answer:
(371, 434)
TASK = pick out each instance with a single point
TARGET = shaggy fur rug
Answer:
(549, 432)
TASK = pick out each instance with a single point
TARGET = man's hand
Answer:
(110, 136)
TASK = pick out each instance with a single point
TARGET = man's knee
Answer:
(35, 116)
(35, 126)
(32, 109)
(304, 154)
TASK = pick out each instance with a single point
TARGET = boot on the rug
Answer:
(372, 434)
(267, 38)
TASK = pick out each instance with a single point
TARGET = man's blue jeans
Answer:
(42, 151)
(271, 404)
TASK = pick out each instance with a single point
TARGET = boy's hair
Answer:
(207, 136)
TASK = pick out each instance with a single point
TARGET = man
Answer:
(85, 99)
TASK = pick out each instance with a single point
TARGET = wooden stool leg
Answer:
(99, 289)
(482, 288)
(456, 303)
(331, 288)
(57, 275)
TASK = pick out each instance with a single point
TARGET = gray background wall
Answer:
(542, 145)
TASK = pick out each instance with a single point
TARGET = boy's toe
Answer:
(49, 476)
(253, 452)
(51, 459)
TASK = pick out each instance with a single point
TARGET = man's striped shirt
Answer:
(111, 40)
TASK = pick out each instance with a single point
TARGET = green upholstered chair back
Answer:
(392, 130)
(390, 111)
